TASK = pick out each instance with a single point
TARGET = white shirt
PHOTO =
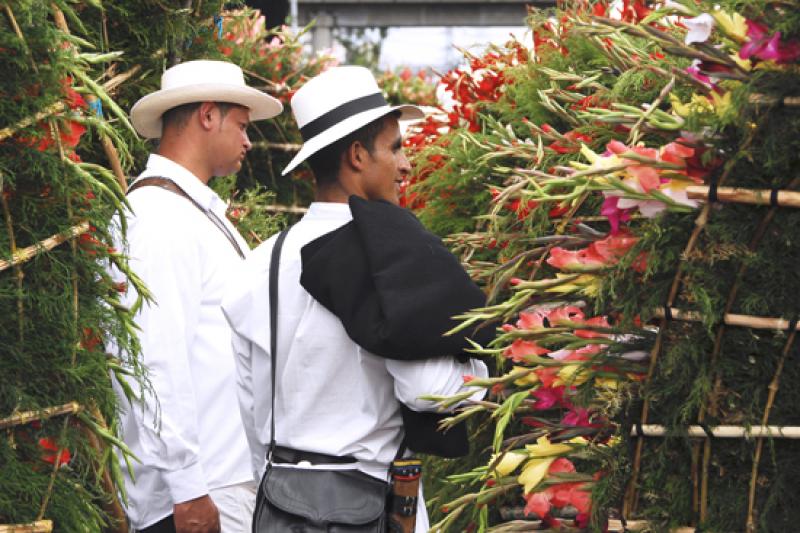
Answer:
(333, 397)
(190, 439)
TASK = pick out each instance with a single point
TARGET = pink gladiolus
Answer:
(614, 214)
(549, 397)
(598, 322)
(537, 503)
(768, 48)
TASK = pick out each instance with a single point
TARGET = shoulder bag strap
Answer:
(169, 185)
(274, 265)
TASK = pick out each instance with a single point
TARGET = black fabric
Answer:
(393, 284)
(338, 114)
(165, 525)
(423, 434)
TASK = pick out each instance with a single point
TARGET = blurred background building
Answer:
(389, 34)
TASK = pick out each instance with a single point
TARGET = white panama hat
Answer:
(336, 103)
(200, 81)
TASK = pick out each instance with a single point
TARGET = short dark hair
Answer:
(325, 163)
(178, 116)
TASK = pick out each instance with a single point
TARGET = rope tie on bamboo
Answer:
(705, 427)
(667, 313)
(773, 197)
(793, 323)
(712, 189)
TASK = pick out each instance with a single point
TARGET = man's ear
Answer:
(208, 115)
(355, 155)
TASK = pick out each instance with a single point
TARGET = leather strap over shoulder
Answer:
(171, 186)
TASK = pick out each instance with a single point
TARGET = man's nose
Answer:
(247, 144)
(404, 165)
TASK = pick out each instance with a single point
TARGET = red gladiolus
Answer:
(58, 457)
(520, 349)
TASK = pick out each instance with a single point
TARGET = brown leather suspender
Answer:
(173, 187)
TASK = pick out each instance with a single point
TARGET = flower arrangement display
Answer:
(621, 191)
(72, 70)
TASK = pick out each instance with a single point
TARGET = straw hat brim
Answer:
(146, 113)
(347, 126)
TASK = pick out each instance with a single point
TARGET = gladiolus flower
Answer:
(520, 350)
(58, 457)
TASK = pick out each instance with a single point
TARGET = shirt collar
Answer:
(329, 211)
(201, 193)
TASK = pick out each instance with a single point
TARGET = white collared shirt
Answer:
(185, 262)
(333, 397)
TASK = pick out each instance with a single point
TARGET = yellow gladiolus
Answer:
(544, 448)
(528, 379)
(573, 374)
(587, 284)
(533, 472)
(734, 26)
(607, 383)
(508, 463)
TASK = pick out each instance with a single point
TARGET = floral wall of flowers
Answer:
(72, 70)
(625, 191)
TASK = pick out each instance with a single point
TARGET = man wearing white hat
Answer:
(193, 471)
(341, 396)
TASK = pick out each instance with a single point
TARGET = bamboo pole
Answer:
(45, 245)
(19, 275)
(40, 526)
(788, 101)
(732, 319)
(773, 392)
(280, 147)
(112, 507)
(745, 196)
(42, 414)
(275, 208)
(722, 432)
(617, 526)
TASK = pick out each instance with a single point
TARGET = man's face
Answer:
(387, 166)
(230, 142)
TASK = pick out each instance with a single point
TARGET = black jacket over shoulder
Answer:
(395, 287)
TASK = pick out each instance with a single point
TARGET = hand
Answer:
(197, 516)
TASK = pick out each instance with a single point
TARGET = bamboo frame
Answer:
(45, 245)
(719, 336)
(40, 526)
(631, 496)
(745, 196)
(732, 319)
(25, 417)
(721, 432)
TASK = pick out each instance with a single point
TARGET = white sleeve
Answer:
(243, 351)
(442, 376)
(170, 265)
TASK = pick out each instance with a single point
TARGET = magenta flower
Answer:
(761, 45)
(614, 214)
